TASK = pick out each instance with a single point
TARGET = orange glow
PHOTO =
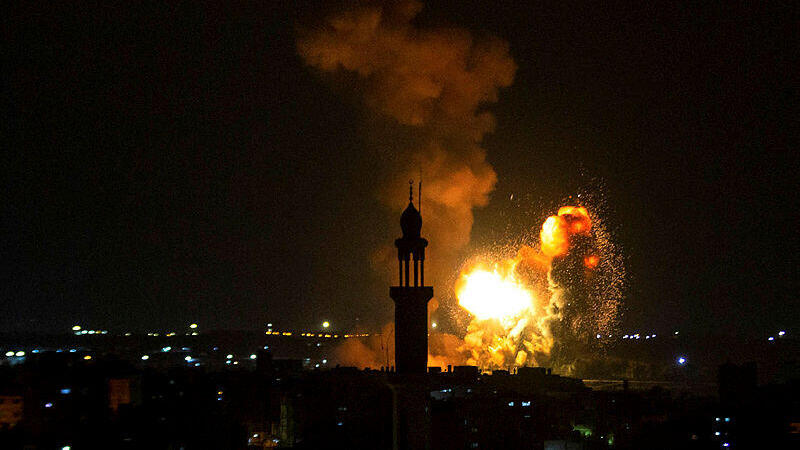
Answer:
(495, 294)
(557, 230)
(512, 301)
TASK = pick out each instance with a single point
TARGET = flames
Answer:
(494, 294)
(515, 302)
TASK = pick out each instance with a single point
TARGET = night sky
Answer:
(177, 163)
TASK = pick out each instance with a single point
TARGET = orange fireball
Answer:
(556, 230)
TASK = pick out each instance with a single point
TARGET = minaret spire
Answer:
(411, 191)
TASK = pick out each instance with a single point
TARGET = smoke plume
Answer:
(431, 85)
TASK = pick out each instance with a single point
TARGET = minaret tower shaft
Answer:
(411, 296)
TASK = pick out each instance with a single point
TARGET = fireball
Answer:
(495, 294)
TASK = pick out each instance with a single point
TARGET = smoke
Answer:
(431, 85)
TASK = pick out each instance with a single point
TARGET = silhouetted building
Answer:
(411, 300)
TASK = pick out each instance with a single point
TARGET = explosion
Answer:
(519, 305)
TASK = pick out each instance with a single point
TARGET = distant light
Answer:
(235, 363)
(716, 433)
(193, 326)
(269, 325)
(227, 362)
(433, 325)
(72, 350)
(36, 350)
(166, 349)
(266, 347)
(9, 353)
(725, 444)
(717, 419)
(326, 324)
(197, 364)
(316, 366)
(219, 399)
(681, 360)
(48, 405)
(654, 335)
(229, 356)
(145, 357)
(510, 403)
(188, 358)
(339, 423)
(324, 361)
(771, 338)
(727, 419)
(194, 333)
(647, 337)
(676, 333)
(66, 447)
(66, 391)
(87, 357)
(253, 356)
(76, 328)
(781, 333)
(625, 337)
(20, 353)
(598, 336)
(526, 403)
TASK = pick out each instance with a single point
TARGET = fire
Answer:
(557, 230)
(495, 294)
(515, 301)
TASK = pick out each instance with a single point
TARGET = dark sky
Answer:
(172, 163)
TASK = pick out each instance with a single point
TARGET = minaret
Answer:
(411, 296)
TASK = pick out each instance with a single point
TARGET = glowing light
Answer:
(193, 326)
(229, 356)
(9, 353)
(326, 324)
(87, 357)
(188, 359)
(76, 328)
(493, 295)
(253, 356)
(771, 338)
(781, 333)
(145, 357)
(166, 349)
(433, 324)
(20, 353)
(557, 230)
(681, 360)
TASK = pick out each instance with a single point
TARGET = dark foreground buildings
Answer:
(56, 401)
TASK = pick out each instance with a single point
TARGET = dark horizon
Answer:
(175, 164)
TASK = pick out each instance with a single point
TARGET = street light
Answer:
(326, 324)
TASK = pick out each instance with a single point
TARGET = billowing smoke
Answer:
(431, 85)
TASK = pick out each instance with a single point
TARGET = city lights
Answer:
(681, 360)
(145, 357)
(326, 324)
(87, 357)
(76, 328)
(193, 326)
